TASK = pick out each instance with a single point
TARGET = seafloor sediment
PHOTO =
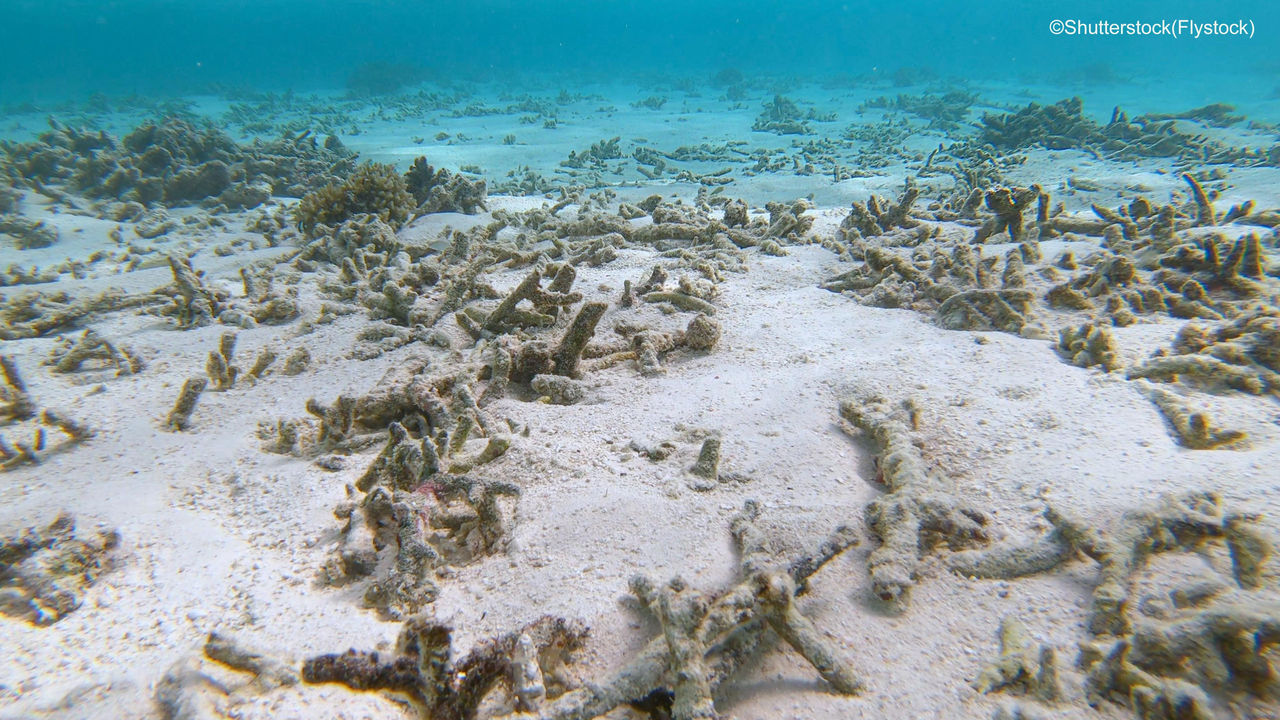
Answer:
(922, 405)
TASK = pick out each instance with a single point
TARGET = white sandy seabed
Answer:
(219, 535)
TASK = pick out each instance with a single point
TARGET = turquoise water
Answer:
(62, 50)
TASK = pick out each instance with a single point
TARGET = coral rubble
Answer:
(45, 574)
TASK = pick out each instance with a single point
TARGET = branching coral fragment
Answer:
(195, 304)
(728, 629)
(70, 356)
(1175, 522)
(920, 509)
(1191, 428)
(452, 689)
(1008, 205)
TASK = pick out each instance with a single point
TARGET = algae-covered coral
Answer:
(374, 188)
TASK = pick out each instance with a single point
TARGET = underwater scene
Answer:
(493, 360)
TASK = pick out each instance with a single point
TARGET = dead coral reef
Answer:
(878, 216)
(648, 347)
(193, 303)
(46, 573)
(1024, 667)
(782, 116)
(1192, 428)
(179, 417)
(361, 239)
(508, 315)
(1007, 205)
(961, 289)
(706, 638)
(595, 156)
(15, 400)
(222, 373)
(920, 509)
(524, 675)
(1241, 354)
(1167, 658)
(516, 672)
(424, 501)
(28, 234)
(266, 304)
(1088, 345)
(943, 111)
(37, 314)
(189, 691)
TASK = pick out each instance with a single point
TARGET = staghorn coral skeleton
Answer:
(919, 510)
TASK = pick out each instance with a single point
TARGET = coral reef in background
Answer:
(383, 78)
(1063, 125)
(174, 163)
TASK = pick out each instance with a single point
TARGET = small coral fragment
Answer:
(706, 470)
(15, 401)
(187, 693)
(219, 368)
(1205, 214)
(180, 417)
(1023, 667)
(1192, 428)
(297, 362)
(569, 352)
(269, 672)
(1005, 310)
(1088, 345)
